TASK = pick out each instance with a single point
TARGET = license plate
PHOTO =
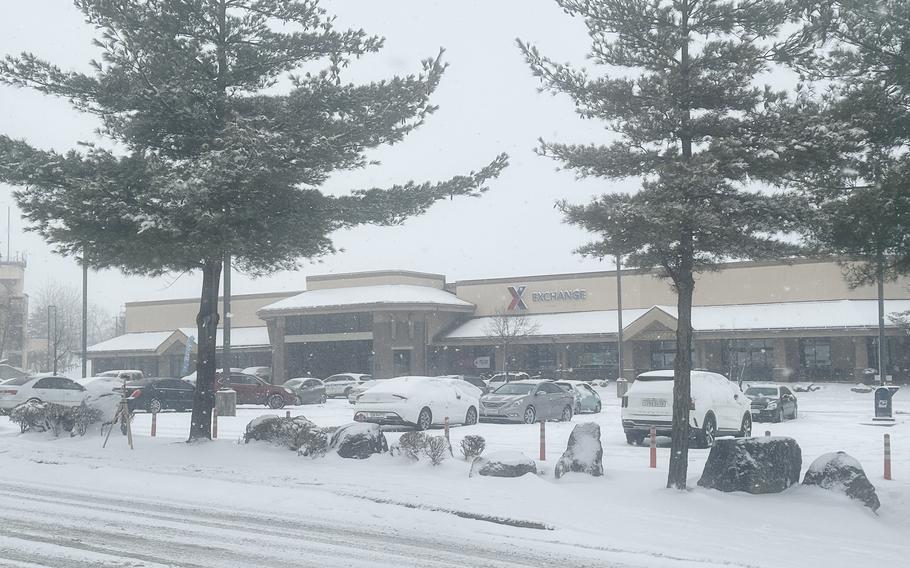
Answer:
(654, 402)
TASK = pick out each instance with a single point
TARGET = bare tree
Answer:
(61, 305)
(507, 329)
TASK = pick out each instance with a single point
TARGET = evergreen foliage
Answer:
(680, 93)
(215, 155)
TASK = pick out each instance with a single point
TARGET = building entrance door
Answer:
(401, 359)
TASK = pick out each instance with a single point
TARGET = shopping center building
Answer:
(755, 320)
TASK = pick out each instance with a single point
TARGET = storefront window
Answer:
(329, 323)
(542, 357)
(597, 355)
(749, 359)
(815, 353)
(663, 354)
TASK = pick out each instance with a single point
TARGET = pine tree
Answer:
(858, 179)
(217, 156)
(689, 120)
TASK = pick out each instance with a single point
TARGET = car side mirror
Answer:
(538, 393)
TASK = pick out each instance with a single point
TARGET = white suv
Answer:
(342, 383)
(718, 407)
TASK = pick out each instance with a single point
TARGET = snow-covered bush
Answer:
(48, 417)
(277, 430)
(436, 448)
(411, 444)
(358, 440)
(312, 441)
(472, 446)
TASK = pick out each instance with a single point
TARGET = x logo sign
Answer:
(517, 302)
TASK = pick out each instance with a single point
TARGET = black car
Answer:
(773, 403)
(157, 394)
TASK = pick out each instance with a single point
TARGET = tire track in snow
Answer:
(180, 531)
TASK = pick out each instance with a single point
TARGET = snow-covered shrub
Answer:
(312, 441)
(358, 440)
(584, 452)
(84, 416)
(277, 430)
(436, 448)
(30, 415)
(411, 444)
(472, 446)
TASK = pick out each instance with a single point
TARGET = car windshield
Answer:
(515, 388)
(761, 391)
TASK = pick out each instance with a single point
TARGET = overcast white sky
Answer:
(488, 104)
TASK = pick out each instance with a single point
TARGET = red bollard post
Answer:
(154, 423)
(653, 448)
(214, 423)
(767, 433)
(287, 414)
(888, 456)
(543, 440)
(446, 423)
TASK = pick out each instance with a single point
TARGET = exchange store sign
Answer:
(520, 293)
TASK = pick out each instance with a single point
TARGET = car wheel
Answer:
(33, 399)
(578, 409)
(323, 399)
(566, 414)
(634, 439)
(471, 417)
(530, 415)
(154, 406)
(597, 408)
(276, 401)
(708, 432)
(795, 412)
(779, 417)
(745, 431)
(424, 419)
(347, 391)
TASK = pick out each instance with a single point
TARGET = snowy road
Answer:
(40, 526)
(68, 502)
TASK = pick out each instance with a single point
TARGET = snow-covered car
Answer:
(586, 398)
(527, 401)
(419, 401)
(309, 390)
(58, 390)
(772, 402)
(103, 383)
(339, 384)
(473, 379)
(360, 388)
(122, 374)
(500, 379)
(717, 407)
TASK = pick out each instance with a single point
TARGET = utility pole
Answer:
(226, 329)
(84, 313)
(881, 319)
(619, 314)
(49, 340)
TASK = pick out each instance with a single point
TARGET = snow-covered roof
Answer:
(137, 341)
(835, 314)
(363, 296)
(240, 336)
(152, 341)
(548, 325)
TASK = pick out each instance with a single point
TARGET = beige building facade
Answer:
(751, 320)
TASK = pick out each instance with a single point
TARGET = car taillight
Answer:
(358, 417)
(136, 393)
(625, 402)
(9, 391)
(691, 404)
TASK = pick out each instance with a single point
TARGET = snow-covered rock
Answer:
(503, 464)
(754, 465)
(584, 453)
(359, 440)
(838, 471)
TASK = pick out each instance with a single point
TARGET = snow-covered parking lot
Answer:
(68, 502)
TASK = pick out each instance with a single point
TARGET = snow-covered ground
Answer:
(68, 502)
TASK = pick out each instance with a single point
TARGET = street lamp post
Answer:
(619, 352)
(52, 343)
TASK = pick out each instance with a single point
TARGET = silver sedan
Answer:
(528, 402)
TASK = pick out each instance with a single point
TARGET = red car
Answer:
(253, 390)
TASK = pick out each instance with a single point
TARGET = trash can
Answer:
(622, 385)
(226, 402)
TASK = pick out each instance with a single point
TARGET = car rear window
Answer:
(648, 378)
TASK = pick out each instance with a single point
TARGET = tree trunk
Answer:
(206, 329)
(682, 367)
